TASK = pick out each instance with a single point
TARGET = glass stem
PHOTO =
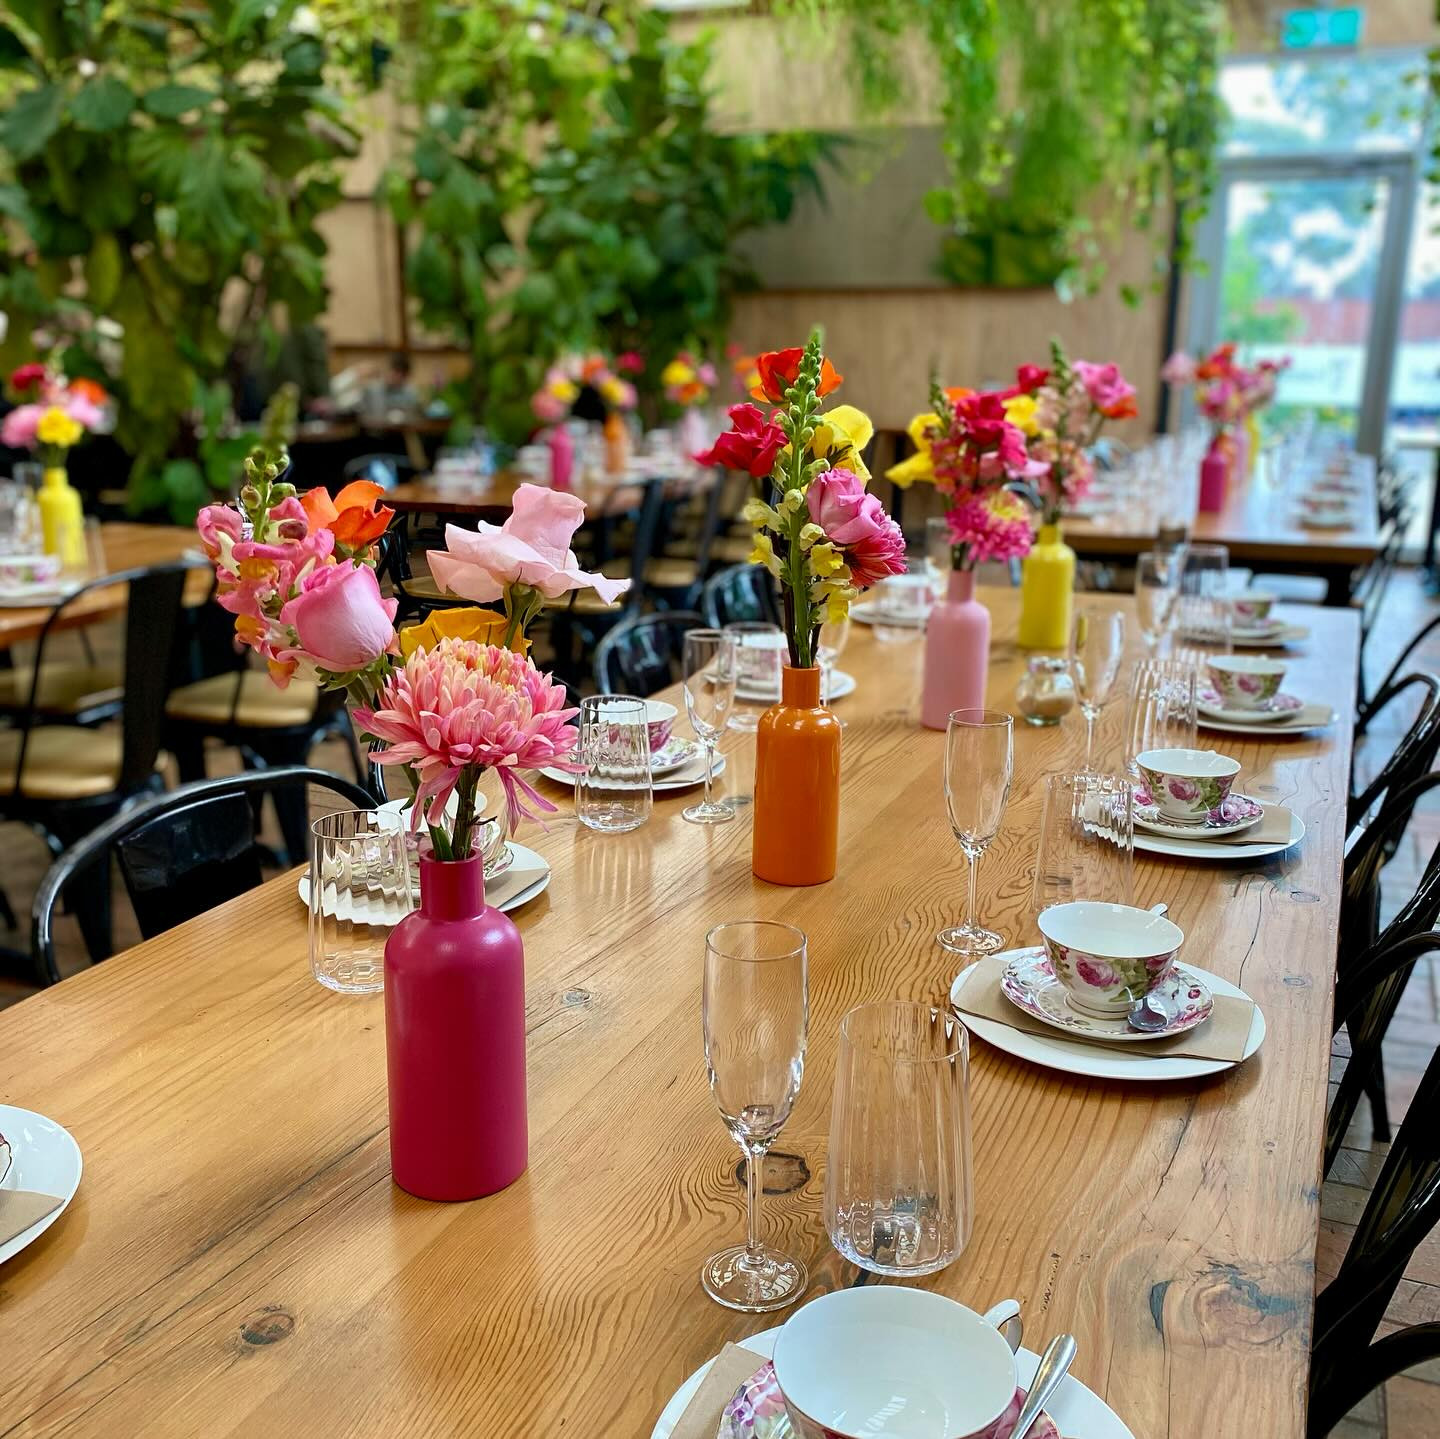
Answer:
(1089, 739)
(754, 1169)
(974, 857)
(709, 768)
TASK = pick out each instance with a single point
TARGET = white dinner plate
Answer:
(1075, 1408)
(1265, 728)
(1153, 822)
(44, 1158)
(527, 876)
(1095, 1062)
(1180, 848)
(686, 777)
(24, 597)
(1281, 638)
(841, 684)
(874, 614)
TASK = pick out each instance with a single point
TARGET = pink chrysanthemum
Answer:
(465, 705)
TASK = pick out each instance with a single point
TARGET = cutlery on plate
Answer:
(1054, 1364)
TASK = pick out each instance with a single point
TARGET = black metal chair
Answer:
(1366, 709)
(385, 470)
(1347, 1362)
(674, 580)
(1415, 753)
(642, 654)
(743, 592)
(179, 854)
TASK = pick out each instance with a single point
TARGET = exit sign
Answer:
(1322, 29)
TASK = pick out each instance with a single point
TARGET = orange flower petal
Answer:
(319, 507)
(830, 378)
(354, 528)
(359, 492)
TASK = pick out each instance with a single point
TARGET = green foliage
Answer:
(567, 190)
(1048, 106)
(168, 186)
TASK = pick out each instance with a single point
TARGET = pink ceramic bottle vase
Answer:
(957, 652)
(455, 1039)
(1214, 475)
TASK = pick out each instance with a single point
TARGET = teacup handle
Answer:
(1005, 1316)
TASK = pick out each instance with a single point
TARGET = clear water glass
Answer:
(902, 605)
(709, 662)
(979, 765)
(359, 891)
(1161, 712)
(755, 1017)
(1087, 841)
(1157, 595)
(1097, 649)
(613, 793)
(834, 635)
(1204, 608)
(939, 552)
(898, 1179)
(760, 653)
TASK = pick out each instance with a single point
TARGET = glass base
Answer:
(769, 1280)
(716, 812)
(970, 939)
(746, 720)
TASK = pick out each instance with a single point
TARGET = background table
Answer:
(237, 1260)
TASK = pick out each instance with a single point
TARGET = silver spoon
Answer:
(1148, 1014)
(1054, 1364)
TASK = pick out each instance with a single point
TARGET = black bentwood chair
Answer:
(743, 592)
(643, 654)
(179, 854)
(1414, 754)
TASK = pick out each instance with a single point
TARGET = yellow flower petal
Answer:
(1020, 411)
(907, 472)
(918, 429)
(468, 622)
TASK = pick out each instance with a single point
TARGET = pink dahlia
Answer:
(463, 705)
(991, 526)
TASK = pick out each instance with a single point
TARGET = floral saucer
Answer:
(674, 753)
(1236, 812)
(1260, 630)
(1209, 701)
(758, 1412)
(1029, 983)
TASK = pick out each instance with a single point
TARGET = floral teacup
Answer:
(16, 570)
(659, 721)
(1187, 785)
(1251, 608)
(859, 1362)
(1245, 682)
(1108, 956)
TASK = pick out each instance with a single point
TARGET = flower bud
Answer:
(250, 497)
(292, 529)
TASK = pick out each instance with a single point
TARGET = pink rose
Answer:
(340, 618)
(1184, 790)
(1156, 963)
(531, 548)
(1094, 972)
(857, 523)
(1108, 389)
(1179, 369)
(18, 430)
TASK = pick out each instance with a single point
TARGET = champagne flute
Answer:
(755, 1016)
(1097, 646)
(709, 665)
(979, 763)
(1157, 596)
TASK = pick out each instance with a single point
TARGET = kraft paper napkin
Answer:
(20, 1208)
(1274, 828)
(732, 1367)
(1222, 1036)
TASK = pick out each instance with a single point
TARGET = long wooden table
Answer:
(1259, 527)
(492, 498)
(237, 1260)
(127, 546)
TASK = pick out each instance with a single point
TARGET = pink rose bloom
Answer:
(83, 411)
(18, 429)
(1094, 972)
(1179, 369)
(857, 523)
(340, 619)
(1108, 389)
(531, 548)
(1183, 789)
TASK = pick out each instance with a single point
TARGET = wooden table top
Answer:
(1257, 524)
(450, 497)
(237, 1260)
(127, 546)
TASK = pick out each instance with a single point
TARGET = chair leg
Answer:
(188, 747)
(1379, 1105)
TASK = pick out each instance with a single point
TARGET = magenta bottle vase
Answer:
(455, 1039)
(562, 457)
(957, 652)
(1213, 476)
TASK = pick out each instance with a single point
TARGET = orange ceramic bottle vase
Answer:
(797, 785)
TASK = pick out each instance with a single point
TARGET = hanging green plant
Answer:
(1050, 113)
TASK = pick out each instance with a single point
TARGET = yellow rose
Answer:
(58, 429)
(919, 466)
(841, 435)
(677, 373)
(469, 622)
(1020, 411)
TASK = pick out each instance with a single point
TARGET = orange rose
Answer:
(355, 517)
(778, 369)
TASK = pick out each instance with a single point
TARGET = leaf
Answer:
(536, 294)
(32, 120)
(13, 54)
(102, 104)
(185, 490)
(102, 271)
(170, 102)
(244, 15)
(161, 157)
(16, 204)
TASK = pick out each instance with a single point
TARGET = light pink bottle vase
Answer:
(562, 457)
(957, 652)
(455, 1039)
(1213, 475)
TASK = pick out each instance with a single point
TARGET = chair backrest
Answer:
(387, 471)
(642, 654)
(647, 541)
(179, 854)
(742, 592)
(713, 518)
(1416, 749)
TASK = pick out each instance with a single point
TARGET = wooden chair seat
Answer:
(732, 550)
(668, 573)
(586, 602)
(64, 688)
(426, 587)
(62, 762)
(262, 704)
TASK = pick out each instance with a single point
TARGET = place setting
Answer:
(1243, 694)
(1255, 625)
(39, 1174)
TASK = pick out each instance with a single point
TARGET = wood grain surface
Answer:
(127, 546)
(237, 1260)
(492, 498)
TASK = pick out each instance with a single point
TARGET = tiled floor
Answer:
(1409, 1408)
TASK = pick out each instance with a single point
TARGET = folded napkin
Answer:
(20, 1208)
(1308, 716)
(732, 1367)
(1222, 1036)
(1273, 828)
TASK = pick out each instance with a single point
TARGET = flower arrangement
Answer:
(688, 382)
(448, 699)
(1229, 392)
(972, 447)
(52, 414)
(569, 378)
(817, 530)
